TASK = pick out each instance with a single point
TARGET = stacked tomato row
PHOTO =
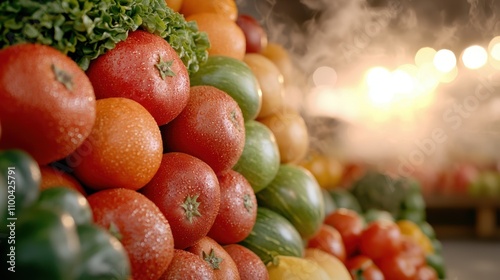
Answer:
(168, 164)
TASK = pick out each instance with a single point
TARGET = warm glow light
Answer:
(378, 77)
(424, 55)
(380, 96)
(450, 76)
(495, 51)
(402, 81)
(324, 76)
(475, 57)
(444, 60)
(494, 48)
(427, 78)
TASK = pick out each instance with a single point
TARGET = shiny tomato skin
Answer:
(187, 266)
(140, 227)
(350, 225)
(132, 70)
(329, 240)
(47, 103)
(255, 36)
(237, 211)
(211, 128)
(412, 251)
(396, 267)
(214, 254)
(426, 273)
(379, 239)
(365, 266)
(250, 266)
(187, 192)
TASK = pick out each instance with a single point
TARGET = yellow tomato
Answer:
(332, 265)
(412, 230)
(281, 58)
(291, 134)
(327, 171)
(296, 268)
(270, 81)
(226, 8)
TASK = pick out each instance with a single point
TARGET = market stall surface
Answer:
(472, 259)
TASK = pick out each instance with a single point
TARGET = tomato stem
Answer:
(247, 202)
(190, 206)
(63, 77)
(165, 68)
(212, 259)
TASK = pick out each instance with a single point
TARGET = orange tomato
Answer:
(270, 81)
(226, 37)
(124, 149)
(291, 134)
(52, 177)
(281, 58)
(327, 171)
(226, 8)
(174, 4)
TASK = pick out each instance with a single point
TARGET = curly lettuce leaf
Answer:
(86, 29)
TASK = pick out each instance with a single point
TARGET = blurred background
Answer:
(411, 88)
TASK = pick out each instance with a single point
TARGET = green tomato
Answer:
(235, 78)
(295, 194)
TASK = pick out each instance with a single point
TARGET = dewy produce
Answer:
(140, 140)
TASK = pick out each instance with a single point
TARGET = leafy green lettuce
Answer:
(85, 29)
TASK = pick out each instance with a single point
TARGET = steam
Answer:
(351, 36)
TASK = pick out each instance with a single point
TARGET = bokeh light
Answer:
(378, 77)
(494, 48)
(475, 57)
(325, 76)
(444, 60)
(424, 55)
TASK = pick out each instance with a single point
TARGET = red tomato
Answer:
(47, 102)
(396, 267)
(250, 266)
(237, 211)
(350, 225)
(187, 192)
(362, 267)
(221, 262)
(328, 239)
(255, 36)
(210, 128)
(144, 68)
(426, 273)
(140, 227)
(380, 238)
(412, 251)
(187, 266)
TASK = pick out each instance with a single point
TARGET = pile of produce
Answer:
(146, 141)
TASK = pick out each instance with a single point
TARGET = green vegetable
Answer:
(379, 191)
(235, 78)
(437, 263)
(344, 199)
(47, 245)
(273, 235)
(67, 200)
(103, 256)
(376, 215)
(296, 195)
(21, 174)
(427, 229)
(329, 203)
(85, 29)
(260, 159)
